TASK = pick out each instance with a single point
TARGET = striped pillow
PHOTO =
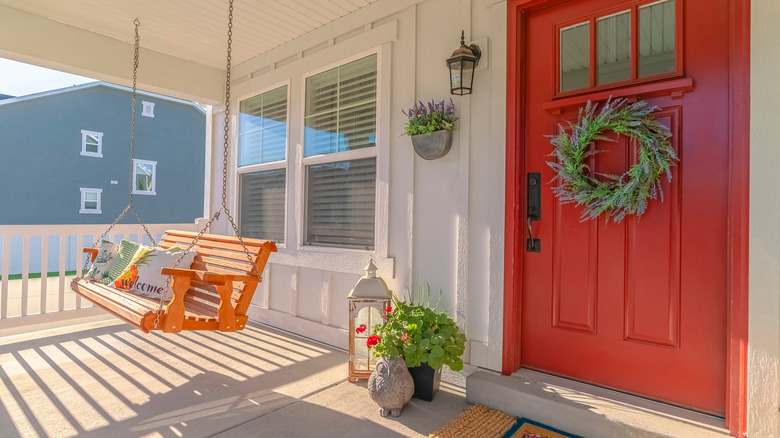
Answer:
(127, 250)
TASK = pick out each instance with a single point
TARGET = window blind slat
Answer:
(341, 203)
(263, 205)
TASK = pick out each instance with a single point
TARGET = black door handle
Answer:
(534, 207)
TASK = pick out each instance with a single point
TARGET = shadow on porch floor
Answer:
(107, 379)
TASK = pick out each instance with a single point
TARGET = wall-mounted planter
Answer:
(431, 147)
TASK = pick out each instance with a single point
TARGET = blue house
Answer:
(65, 157)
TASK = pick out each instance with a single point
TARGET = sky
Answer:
(19, 79)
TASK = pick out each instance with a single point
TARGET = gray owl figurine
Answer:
(390, 386)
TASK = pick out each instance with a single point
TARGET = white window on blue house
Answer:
(340, 155)
(262, 164)
(144, 177)
(90, 201)
(148, 110)
(91, 144)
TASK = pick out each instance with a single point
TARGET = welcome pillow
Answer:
(142, 276)
(127, 250)
(108, 252)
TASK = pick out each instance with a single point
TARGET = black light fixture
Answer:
(461, 65)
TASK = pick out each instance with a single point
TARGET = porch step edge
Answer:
(573, 410)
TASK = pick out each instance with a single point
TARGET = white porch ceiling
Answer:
(195, 30)
(192, 31)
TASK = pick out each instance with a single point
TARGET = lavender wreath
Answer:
(618, 195)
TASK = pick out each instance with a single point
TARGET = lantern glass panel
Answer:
(468, 74)
(455, 74)
(364, 358)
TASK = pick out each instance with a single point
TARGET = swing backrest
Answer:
(221, 255)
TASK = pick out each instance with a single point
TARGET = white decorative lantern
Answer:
(367, 303)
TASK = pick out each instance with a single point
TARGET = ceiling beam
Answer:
(47, 43)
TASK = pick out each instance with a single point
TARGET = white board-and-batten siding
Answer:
(440, 221)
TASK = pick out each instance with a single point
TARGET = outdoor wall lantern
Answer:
(367, 303)
(461, 65)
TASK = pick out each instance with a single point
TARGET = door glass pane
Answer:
(613, 34)
(575, 57)
(657, 39)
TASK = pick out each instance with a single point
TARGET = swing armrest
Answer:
(223, 283)
(208, 277)
(93, 252)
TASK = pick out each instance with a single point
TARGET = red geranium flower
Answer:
(372, 340)
(388, 309)
(405, 338)
(361, 328)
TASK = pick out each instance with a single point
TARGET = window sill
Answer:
(91, 154)
(90, 212)
(145, 193)
(348, 261)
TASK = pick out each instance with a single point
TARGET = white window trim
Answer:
(380, 151)
(136, 162)
(148, 109)
(84, 191)
(273, 165)
(84, 152)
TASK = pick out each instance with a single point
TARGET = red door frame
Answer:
(738, 202)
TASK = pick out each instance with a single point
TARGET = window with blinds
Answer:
(262, 208)
(340, 208)
(262, 128)
(262, 138)
(340, 110)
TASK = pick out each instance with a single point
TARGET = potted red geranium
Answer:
(424, 338)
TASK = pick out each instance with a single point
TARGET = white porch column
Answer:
(764, 310)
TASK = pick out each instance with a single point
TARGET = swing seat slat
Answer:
(213, 295)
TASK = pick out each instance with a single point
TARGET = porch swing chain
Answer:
(223, 207)
(130, 205)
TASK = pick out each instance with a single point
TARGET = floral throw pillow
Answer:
(142, 276)
(107, 255)
(127, 250)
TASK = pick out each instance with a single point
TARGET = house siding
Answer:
(764, 276)
(42, 168)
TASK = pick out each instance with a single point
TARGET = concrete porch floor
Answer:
(106, 379)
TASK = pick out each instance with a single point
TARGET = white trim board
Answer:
(329, 335)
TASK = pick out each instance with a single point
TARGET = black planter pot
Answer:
(426, 381)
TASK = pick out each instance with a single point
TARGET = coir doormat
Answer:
(481, 422)
(525, 428)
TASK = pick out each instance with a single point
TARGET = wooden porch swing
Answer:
(215, 293)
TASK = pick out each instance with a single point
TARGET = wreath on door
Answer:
(614, 196)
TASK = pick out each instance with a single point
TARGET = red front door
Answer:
(638, 306)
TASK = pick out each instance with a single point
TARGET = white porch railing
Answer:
(37, 263)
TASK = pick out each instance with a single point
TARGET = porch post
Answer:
(208, 167)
